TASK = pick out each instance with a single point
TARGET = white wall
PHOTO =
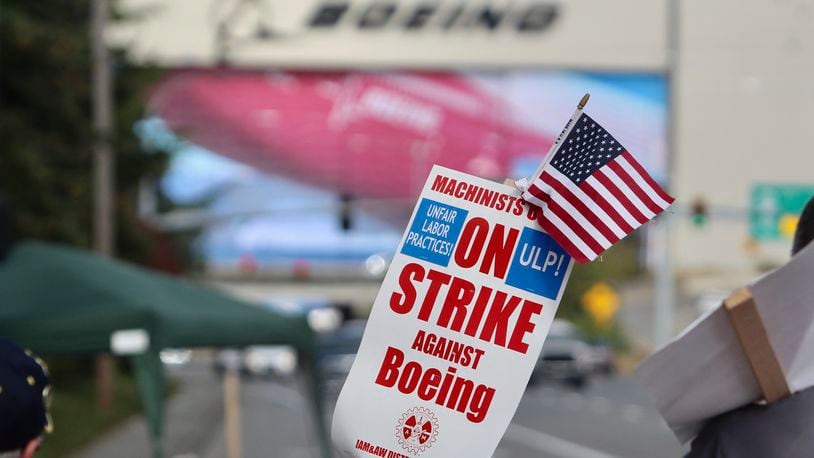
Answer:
(745, 113)
(618, 34)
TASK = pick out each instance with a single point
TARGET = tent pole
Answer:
(149, 372)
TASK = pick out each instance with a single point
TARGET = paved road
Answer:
(609, 418)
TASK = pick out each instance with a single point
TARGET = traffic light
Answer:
(698, 213)
(346, 212)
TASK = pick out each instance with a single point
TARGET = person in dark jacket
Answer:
(24, 396)
(783, 429)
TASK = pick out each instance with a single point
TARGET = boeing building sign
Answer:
(395, 33)
(530, 17)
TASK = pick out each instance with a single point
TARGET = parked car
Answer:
(336, 352)
(565, 357)
(227, 359)
(269, 361)
(601, 357)
(175, 356)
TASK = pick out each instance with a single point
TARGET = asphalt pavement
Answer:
(610, 418)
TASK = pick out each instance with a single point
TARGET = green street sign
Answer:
(775, 209)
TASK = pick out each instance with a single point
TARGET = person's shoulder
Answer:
(784, 429)
(805, 228)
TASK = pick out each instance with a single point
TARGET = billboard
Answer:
(280, 150)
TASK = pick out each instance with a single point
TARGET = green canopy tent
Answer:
(57, 299)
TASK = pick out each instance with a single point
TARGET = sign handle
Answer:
(754, 340)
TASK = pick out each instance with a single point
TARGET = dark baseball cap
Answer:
(24, 397)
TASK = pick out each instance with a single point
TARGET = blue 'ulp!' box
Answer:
(539, 264)
(434, 232)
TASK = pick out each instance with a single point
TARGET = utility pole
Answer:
(103, 181)
(664, 313)
(665, 300)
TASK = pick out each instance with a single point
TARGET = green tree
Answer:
(46, 133)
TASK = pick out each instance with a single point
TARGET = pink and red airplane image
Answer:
(270, 152)
(366, 134)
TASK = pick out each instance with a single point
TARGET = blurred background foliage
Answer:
(46, 127)
(619, 264)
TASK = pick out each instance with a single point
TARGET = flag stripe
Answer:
(643, 173)
(551, 207)
(592, 204)
(536, 196)
(597, 181)
(581, 213)
(550, 222)
(566, 233)
(635, 188)
(563, 240)
(642, 183)
(579, 230)
(629, 194)
(606, 205)
(621, 193)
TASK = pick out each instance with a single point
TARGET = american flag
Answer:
(593, 193)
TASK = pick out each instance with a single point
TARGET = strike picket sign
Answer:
(456, 327)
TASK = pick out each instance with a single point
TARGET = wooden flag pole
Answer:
(565, 131)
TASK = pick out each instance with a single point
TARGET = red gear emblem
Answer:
(417, 429)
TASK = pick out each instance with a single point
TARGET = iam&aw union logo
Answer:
(417, 429)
